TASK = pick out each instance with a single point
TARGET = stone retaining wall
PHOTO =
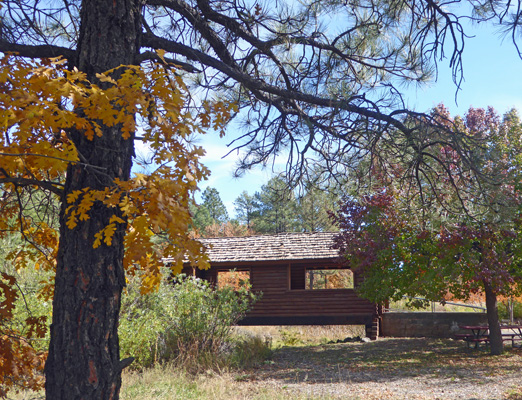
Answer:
(428, 324)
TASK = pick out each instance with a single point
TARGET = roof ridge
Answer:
(281, 246)
(269, 235)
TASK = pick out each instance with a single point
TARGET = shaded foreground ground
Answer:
(397, 368)
(385, 369)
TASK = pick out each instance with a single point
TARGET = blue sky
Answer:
(493, 77)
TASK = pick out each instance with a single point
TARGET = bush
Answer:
(291, 338)
(185, 320)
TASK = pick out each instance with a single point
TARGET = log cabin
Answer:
(300, 276)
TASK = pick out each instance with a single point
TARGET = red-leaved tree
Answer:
(406, 248)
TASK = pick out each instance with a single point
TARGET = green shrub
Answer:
(185, 320)
(139, 325)
(291, 338)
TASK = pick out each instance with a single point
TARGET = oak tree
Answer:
(56, 141)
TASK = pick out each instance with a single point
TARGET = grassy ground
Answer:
(346, 371)
(304, 365)
(167, 382)
(279, 336)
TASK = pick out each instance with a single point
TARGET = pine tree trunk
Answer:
(83, 361)
(495, 333)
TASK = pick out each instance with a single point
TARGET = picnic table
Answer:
(480, 334)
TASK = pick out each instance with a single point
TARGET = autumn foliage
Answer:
(460, 239)
(20, 363)
(400, 257)
(40, 104)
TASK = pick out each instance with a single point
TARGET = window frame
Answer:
(230, 270)
(297, 276)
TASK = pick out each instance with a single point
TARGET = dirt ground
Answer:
(393, 369)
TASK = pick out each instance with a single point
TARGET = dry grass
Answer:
(167, 383)
(298, 335)
(403, 305)
(388, 369)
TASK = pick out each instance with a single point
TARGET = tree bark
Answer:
(83, 361)
(495, 333)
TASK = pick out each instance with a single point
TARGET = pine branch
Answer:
(42, 51)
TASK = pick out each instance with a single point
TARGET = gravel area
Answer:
(415, 369)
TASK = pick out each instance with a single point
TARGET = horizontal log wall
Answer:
(281, 303)
(279, 300)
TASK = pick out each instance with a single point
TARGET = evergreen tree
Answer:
(200, 217)
(246, 209)
(277, 207)
(211, 212)
(213, 204)
(313, 207)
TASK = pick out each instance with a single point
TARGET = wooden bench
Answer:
(511, 336)
(480, 334)
(470, 338)
(463, 336)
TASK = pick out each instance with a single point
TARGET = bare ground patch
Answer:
(393, 369)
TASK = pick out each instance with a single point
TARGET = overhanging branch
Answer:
(42, 51)
(151, 56)
(253, 84)
(47, 185)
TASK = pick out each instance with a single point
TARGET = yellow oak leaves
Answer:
(41, 102)
(38, 105)
(33, 115)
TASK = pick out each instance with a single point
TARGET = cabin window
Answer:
(328, 279)
(235, 279)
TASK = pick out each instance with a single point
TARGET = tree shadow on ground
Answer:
(389, 360)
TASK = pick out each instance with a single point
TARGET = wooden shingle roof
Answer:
(283, 246)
